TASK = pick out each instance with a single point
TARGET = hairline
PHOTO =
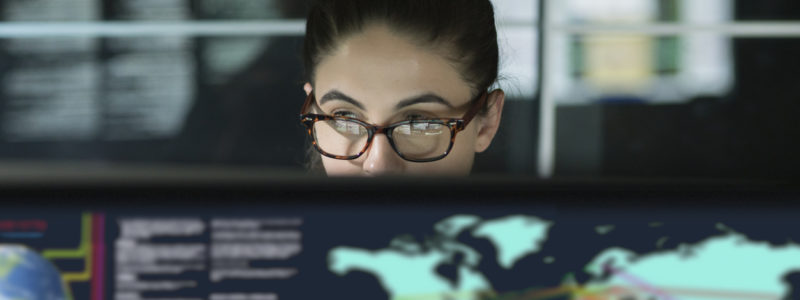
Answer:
(439, 46)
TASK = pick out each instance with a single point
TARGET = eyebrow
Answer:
(337, 95)
(426, 98)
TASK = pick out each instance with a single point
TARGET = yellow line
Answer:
(84, 251)
(68, 290)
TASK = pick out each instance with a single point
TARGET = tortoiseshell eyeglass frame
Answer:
(455, 125)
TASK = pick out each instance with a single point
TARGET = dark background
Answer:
(246, 118)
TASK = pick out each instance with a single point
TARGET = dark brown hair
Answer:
(462, 31)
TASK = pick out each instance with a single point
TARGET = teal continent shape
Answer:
(407, 269)
(514, 237)
(727, 266)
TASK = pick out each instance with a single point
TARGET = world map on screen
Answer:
(727, 265)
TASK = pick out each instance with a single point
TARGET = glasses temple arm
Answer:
(473, 111)
(307, 104)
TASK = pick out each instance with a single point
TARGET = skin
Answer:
(379, 69)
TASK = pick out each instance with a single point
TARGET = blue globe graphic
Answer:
(25, 275)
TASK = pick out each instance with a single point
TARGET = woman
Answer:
(401, 86)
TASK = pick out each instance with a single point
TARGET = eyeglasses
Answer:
(348, 138)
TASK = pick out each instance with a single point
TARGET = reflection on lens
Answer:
(340, 137)
(422, 140)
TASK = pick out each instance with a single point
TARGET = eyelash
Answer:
(345, 113)
(417, 116)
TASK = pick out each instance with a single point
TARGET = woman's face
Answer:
(373, 75)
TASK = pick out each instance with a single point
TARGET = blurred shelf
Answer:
(295, 27)
(46, 174)
(739, 29)
(149, 28)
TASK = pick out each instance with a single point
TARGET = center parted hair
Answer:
(462, 31)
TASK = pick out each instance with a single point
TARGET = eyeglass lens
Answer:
(414, 140)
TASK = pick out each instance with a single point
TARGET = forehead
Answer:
(380, 64)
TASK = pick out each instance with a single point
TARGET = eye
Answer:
(418, 116)
(345, 113)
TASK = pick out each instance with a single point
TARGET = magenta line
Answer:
(98, 255)
(639, 283)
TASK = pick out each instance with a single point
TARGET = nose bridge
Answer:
(381, 157)
(382, 129)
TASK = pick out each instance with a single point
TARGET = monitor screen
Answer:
(400, 239)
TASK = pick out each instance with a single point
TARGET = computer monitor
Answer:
(300, 237)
